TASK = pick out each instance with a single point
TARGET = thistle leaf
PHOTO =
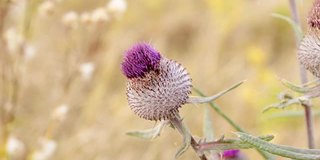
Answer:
(282, 104)
(294, 87)
(214, 97)
(177, 123)
(280, 150)
(149, 133)
(227, 144)
(185, 146)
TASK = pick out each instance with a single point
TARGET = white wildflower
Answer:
(99, 15)
(14, 147)
(70, 19)
(13, 40)
(29, 52)
(47, 148)
(117, 6)
(60, 112)
(86, 70)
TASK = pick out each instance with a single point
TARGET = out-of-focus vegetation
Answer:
(62, 94)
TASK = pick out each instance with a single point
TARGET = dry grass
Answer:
(47, 55)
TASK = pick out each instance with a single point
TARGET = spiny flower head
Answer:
(314, 16)
(157, 86)
(309, 54)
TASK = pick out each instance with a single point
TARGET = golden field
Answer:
(63, 96)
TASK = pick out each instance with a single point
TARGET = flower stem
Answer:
(304, 79)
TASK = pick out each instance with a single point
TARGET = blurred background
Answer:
(62, 93)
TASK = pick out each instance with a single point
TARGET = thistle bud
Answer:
(314, 16)
(157, 86)
(309, 54)
(234, 154)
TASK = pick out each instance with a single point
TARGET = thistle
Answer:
(157, 86)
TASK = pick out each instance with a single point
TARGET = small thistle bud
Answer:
(157, 86)
(309, 54)
(234, 154)
(314, 16)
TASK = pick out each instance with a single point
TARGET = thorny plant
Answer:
(157, 87)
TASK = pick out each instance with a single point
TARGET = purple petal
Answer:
(139, 60)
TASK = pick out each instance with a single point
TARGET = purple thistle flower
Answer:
(157, 86)
(231, 153)
(234, 154)
(139, 60)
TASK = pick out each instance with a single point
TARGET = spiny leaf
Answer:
(214, 97)
(280, 150)
(294, 87)
(177, 123)
(283, 104)
(149, 133)
(227, 144)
